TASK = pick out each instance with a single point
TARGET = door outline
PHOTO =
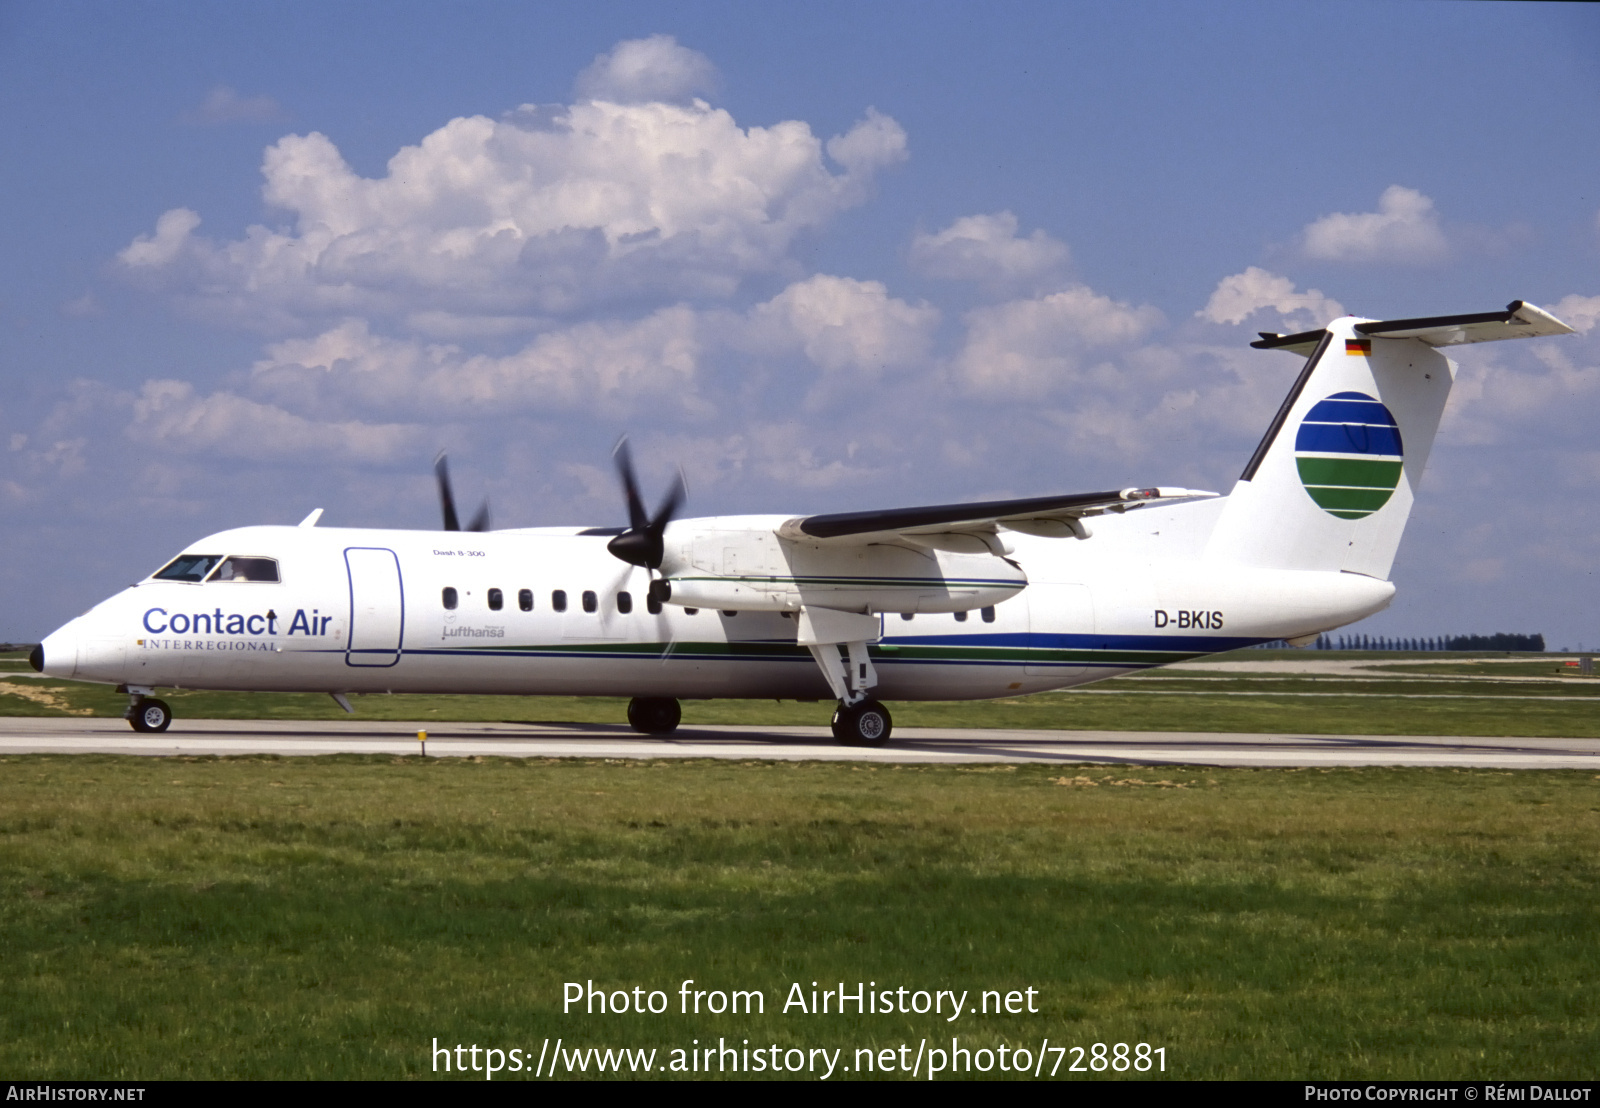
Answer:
(382, 656)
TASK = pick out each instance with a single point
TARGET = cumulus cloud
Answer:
(1041, 344)
(1404, 229)
(645, 69)
(1578, 312)
(547, 212)
(223, 105)
(986, 248)
(617, 368)
(1240, 296)
(171, 415)
(844, 324)
(171, 236)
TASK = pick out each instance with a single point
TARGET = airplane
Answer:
(942, 602)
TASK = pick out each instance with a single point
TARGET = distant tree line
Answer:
(1499, 641)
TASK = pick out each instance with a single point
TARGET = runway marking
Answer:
(20, 735)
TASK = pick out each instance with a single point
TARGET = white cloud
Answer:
(986, 248)
(1042, 344)
(844, 324)
(645, 69)
(169, 414)
(1578, 312)
(223, 105)
(1240, 296)
(614, 368)
(1405, 228)
(171, 236)
(546, 212)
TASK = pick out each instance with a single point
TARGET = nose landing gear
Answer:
(654, 715)
(147, 714)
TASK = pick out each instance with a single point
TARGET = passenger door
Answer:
(377, 606)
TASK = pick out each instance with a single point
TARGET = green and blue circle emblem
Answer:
(1349, 455)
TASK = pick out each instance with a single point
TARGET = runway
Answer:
(21, 735)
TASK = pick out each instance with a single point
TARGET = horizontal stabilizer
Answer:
(1520, 320)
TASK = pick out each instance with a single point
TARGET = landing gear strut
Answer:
(864, 724)
(148, 714)
(654, 715)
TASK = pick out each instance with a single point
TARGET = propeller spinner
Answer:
(447, 501)
(641, 544)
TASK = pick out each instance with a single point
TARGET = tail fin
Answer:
(1332, 483)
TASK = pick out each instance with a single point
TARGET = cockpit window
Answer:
(188, 567)
(235, 568)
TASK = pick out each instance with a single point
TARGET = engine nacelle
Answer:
(752, 569)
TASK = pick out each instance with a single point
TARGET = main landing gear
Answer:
(866, 723)
(654, 715)
(838, 641)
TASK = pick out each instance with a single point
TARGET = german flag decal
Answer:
(1348, 453)
(1361, 348)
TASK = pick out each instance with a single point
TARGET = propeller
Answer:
(641, 544)
(447, 500)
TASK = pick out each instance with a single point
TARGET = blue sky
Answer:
(899, 253)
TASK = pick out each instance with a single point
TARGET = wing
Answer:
(1052, 516)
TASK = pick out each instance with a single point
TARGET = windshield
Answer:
(188, 567)
(235, 568)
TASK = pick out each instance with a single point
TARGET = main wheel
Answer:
(864, 724)
(654, 715)
(150, 715)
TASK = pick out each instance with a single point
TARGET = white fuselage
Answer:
(365, 611)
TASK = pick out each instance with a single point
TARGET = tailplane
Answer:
(1332, 483)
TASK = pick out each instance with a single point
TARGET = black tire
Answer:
(864, 724)
(654, 715)
(150, 716)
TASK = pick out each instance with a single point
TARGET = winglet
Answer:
(311, 520)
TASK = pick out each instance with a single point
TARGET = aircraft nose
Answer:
(57, 656)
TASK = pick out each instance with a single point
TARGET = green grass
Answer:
(328, 917)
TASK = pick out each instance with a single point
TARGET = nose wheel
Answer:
(149, 715)
(654, 715)
(865, 724)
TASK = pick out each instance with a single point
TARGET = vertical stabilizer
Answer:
(1332, 483)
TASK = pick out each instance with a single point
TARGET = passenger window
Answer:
(188, 567)
(652, 605)
(691, 611)
(906, 615)
(234, 568)
(961, 617)
(988, 614)
(730, 615)
(497, 600)
(558, 600)
(525, 599)
(449, 597)
(591, 602)
(624, 602)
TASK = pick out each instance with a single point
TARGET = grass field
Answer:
(329, 917)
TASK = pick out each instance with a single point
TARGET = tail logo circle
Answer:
(1349, 454)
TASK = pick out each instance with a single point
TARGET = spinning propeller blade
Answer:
(641, 544)
(447, 500)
